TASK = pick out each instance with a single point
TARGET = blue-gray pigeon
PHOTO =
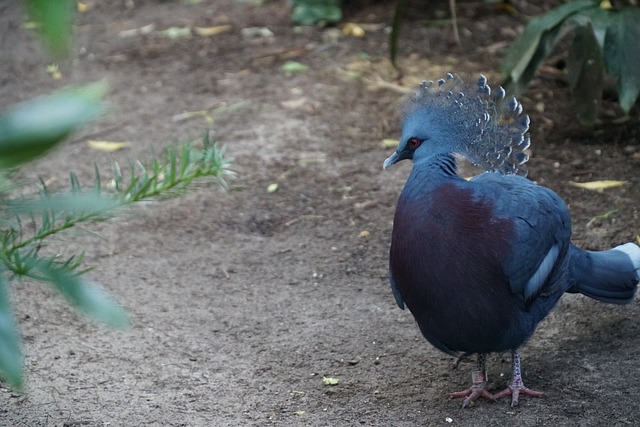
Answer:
(480, 262)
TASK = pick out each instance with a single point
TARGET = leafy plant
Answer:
(26, 224)
(605, 41)
(310, 12)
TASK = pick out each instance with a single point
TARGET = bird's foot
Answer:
(516, 389)
(477, 390)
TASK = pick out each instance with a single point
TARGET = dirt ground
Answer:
(242, 301)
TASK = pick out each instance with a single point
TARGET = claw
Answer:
(479, 387)
(517, 388)
(472, 394)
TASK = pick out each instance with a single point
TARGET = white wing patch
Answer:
(541, 274)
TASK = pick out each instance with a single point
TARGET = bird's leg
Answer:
(516, 387)
(478, 387)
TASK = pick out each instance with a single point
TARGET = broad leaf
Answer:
(88, 297)
(31, 129)
(600, 20)
(526, 49)
(310, 12)
(10, 354)
(622, 53)
(547, 42)
(585, 68)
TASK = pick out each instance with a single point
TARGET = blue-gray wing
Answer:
(542, 231)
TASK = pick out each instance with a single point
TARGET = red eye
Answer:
(413, 143)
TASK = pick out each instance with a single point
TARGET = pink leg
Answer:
(516, 387)
(478, 388)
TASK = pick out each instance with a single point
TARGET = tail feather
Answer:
(609, 276)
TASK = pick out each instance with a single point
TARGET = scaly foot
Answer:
(476, 391)
(479, 387)
(517, 388)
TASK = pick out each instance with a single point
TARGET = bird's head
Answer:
(451, 117)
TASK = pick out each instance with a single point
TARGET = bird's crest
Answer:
(488, 128)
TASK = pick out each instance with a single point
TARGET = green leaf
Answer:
(537, 40)
(54, 18)
(585, 68)
(10, 354)
(29, 130)
(292, 67)
(72, 204)
(310, 12)
(600, 20)
(88, 297)
(622, 54)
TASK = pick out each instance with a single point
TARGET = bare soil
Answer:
(242, 301)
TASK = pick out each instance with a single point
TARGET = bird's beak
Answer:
(392, 159)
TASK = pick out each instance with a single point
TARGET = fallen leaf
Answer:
(298, 412)
(31, 25)
(294, 103)
(147, 29)
(83, 7)
(107, 145)
(352, 29)
(211, 31)
(291, 67)
(330, 381)
(598, 185)
(176, 32)
(364, 233)
(272, 188)
(257, 33)
(606, 4)
(390, 143)
(602, 217)
(54, 71)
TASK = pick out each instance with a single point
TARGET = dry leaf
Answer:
(364, 233)
(351, 29)
(390, 143)
(330, 381)
(176, 32)
(147, 29)
(54, 71)
(294, 103)
(107, 145)
(272, 188)
(598, 185)
(211, 31)
(83, 7)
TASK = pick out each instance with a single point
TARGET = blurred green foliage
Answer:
(605, 41)
(605, 37)
(311, 12)
(30, 130)
(53, 20)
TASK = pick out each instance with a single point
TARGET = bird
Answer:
(480, 262)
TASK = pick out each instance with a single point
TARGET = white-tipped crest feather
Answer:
(490, 129)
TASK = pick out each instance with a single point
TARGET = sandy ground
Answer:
(242, 301)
